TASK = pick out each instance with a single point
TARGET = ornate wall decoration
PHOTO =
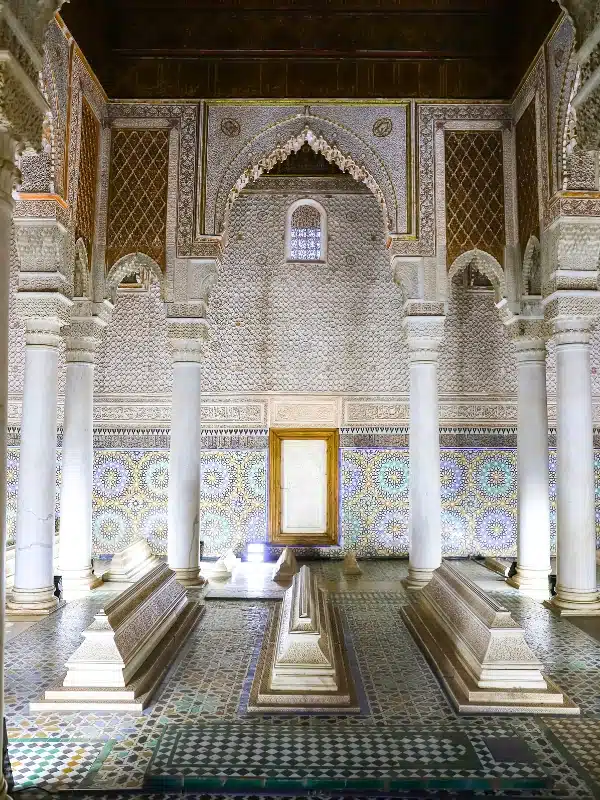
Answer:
(266, 128)
(137, 205)
(56, 78)
(561, 73)
(528, 205)
(430, 116)
(382, 127)
(85, 214)
(478, 499)
(230, 127)
(474, 193)
(185, 117)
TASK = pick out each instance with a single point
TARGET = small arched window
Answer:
(306, 231)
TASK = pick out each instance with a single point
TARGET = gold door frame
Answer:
(332, 438)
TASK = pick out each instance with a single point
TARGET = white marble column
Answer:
(576, 592)
(425, 555)
(533, 534)
(184, 462)
(75, 541)
(7, 177)
(33, 590)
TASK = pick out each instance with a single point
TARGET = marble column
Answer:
(425, 554)
(184, 462)
(75, 542)
(33, 590)
(576, 592)
(7, 177)
(533, 535)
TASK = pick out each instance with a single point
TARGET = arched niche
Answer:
(486, 264)
(133, 263)
(336, 144)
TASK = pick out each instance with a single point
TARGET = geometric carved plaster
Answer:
(319, 145)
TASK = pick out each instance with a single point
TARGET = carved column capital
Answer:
(188, 334)
(424, 327)
(42, 247)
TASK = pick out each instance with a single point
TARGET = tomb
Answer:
(303, 663)
(128, 648)
(131, 563)
(478, 650)
(286, 566)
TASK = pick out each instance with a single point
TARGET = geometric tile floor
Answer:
(407, 740)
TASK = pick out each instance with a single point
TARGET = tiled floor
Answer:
(197, 738)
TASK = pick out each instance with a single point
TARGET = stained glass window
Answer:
(305, 234)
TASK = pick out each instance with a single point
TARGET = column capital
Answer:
(44, 314)
(188, 334)
(572, 331)
(42, 250)
(424, 327)
(84, 331)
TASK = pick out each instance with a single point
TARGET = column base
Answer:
(189, 576)
(529, 580)
(569, 603)
(418, 578)
(78, 582)
(32, 601)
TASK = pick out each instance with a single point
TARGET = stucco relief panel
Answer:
(263, 128)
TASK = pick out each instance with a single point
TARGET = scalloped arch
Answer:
(134, 262)
(350, 162)
(484, 263)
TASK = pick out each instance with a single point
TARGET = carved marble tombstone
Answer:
(478, 650)
(131, 563)
(286, 566)
(304, 664)
(128, 648)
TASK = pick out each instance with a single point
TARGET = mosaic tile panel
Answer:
(479, 499)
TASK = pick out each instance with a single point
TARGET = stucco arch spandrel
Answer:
(133, 263)
(274, 144)
(486, 264)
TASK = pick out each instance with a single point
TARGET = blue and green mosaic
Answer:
(479, 499)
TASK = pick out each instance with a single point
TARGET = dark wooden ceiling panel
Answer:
(310, 48)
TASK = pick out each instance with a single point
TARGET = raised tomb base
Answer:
(478, 650)
(128, 648)
(303, 663)
(131, 563)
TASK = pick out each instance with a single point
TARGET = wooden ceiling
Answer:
(463, 49)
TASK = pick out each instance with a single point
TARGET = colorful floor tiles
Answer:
(407, 741)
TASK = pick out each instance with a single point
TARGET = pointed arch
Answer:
(133, 263)
(484, 263)
(81, 271)
(232, 182)
(532, 267)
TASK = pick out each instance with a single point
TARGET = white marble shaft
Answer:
(286, 566)
(127, 648)
(425, 485)
(533, 536)
(478, 650)
(184, 472)
(77, 475)
(9, 573)
(33, 589)
(131, 563)
(304, 656)
(576, 592)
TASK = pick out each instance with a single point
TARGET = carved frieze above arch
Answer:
(340, 145)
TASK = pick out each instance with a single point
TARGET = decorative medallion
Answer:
(382, 127)
(350, 260)
(230, 127)
(261, 260)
